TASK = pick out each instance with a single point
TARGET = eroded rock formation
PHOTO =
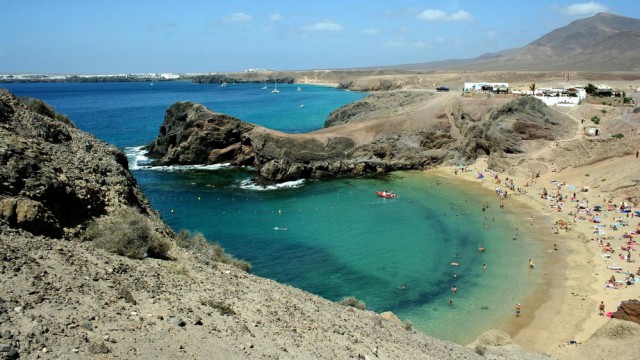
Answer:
(192, 134)
(55, 178)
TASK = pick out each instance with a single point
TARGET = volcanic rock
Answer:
(628, 310)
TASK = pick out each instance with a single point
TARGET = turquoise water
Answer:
(332, 238)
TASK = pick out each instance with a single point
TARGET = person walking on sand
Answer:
(601, 308)
(531, 266)
(518, 310)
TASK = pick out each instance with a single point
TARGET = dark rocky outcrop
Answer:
(628, 310)
(192, 134)
(504, 130)
(55, 178)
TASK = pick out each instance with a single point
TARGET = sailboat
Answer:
(275, 87)
(299, 88)
(265, 85)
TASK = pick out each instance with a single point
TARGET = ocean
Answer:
(332, 238)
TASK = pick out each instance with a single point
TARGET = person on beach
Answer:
(518, 310)
(531, 266)
(601, 308)
(454, 290)
(484, 266)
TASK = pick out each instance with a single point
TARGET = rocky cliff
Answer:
(191, 134)
(55, 178)
(373, 136)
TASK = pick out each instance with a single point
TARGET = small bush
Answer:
(481, 350)
(222, 308)
(595, 119)
(40, 107)
(604, 111)
(351, 301)
(126, 232)
(210, 252)
(618, 136)
(181, 269)
(408, 325)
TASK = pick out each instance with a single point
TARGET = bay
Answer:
(332, 238)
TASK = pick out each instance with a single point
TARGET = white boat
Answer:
(275, 87)
(299, 88)
(224, 84)
(264, 87)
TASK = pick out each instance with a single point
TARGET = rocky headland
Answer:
(388, 131)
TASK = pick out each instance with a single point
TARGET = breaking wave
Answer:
(251, 185)
(138, 160)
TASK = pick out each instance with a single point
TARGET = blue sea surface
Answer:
(332, 238)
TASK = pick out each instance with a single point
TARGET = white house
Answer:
(486, 86)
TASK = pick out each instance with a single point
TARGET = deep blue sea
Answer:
(332, 238)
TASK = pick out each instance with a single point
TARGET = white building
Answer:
(486, 86)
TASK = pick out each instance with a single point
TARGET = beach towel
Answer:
(614, 267)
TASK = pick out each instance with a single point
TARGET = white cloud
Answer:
(324, 26)
(491, 33)
(371, 31)
(440, 40)
(439, 15)
(275, 17)
(583, 9)
(237, 17)
(460, 15)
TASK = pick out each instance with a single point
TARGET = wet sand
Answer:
(564, 308)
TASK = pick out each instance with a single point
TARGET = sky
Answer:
(194, 36)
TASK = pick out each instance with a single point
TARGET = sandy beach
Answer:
(566, 308)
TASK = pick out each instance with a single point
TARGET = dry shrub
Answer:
(128, 233)
(351, 301)
(210, 252)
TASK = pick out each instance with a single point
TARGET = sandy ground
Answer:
(566, 309)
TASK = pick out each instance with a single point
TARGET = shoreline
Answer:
(566, 308)
(531, 304)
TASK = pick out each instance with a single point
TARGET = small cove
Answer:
(340, 238)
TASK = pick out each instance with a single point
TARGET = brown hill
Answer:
(604, 42)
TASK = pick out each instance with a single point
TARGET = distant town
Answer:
(35, 77)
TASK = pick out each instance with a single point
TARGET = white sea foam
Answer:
(188, 167)
(251, 185)
(138, 160)
(137, 157)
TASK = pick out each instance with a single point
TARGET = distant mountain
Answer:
(604, 42)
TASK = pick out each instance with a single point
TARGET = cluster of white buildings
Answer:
(566, 96)
(59, 77)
